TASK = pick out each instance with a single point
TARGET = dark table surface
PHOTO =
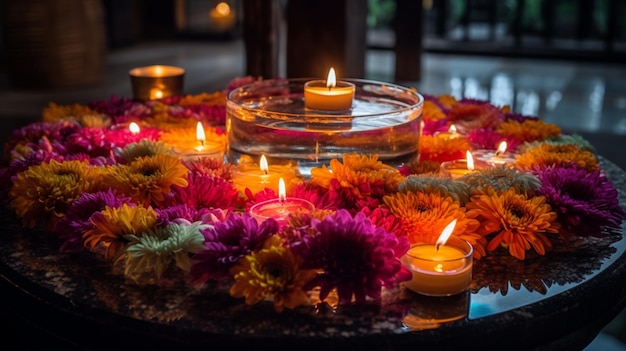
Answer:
(560, 301)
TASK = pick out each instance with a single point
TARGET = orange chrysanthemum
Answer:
(432, 111)
(272, 272)
(447, 100)
(112, 224)
(425, 216)
(44, 192)
(216, 98)
(529, 130)
(440, 149)
(518, 222)
(54, 112)
(468, 116)
(148, 178)
(357, 170)
(557, 155)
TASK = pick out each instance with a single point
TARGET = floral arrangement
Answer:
(127, 199)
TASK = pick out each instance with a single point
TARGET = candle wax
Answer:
(318, 96)
(492, 158)
(280, 209)
(442, 272)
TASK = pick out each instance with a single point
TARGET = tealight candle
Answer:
(280, 208)
(495, 157)
(459, 168)
(450, 134)
(329, 95)
(156, 82)
(258, 177)
(200, 148)
(440, 269)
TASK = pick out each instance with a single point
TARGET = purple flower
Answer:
(357, 257)
(586, 202)
(77, 220)
(228, 241)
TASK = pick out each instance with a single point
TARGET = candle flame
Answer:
(331, 81)
(263, 164)
(470, 160)
(452, 129)
(445, 234)
(223, 9)
(200, 136)
(282, 192)
(134, 128)
(158, 94)
(501, 148)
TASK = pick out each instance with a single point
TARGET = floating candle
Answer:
(280, 208)
(329, 95)
(258, 177)
(156, 82)
(440, 269)
(450, 134)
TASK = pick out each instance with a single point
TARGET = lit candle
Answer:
(200, 148)
(280, 208)
(258, 177)
(222, 18)
(440, 269)
(497, 157)
(329, 95)
(134, 128)
(450, 134)
(459, 168)
(156, 82)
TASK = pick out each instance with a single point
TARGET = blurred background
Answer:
(561, 60)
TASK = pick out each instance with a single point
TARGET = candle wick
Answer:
(437, 246)
(497, 153)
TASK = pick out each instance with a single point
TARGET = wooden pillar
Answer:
(409, 24)
(326, 33)
(261, 33)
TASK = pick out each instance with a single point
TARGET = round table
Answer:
(559, 301)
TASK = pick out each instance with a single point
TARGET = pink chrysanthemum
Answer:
(490, 140)
(469, 114)
(356, 257)
(226, 242)
(204, 191)
(586, 202)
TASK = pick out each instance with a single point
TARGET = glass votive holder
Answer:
(280, 209)
(156, 81)
(494, 158)
(458, 168)
(439, 271)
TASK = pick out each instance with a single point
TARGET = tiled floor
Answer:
(584, 98)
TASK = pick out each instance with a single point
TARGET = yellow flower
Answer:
(557, 155)
(82, 114)
(148, 178)
(112, 224)
(44, 192)
(272, 272)
(529, 130)
(447, 100)
(216, 98)
(425, 216)
(518, 222)
(432, 112)
(357, 170)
